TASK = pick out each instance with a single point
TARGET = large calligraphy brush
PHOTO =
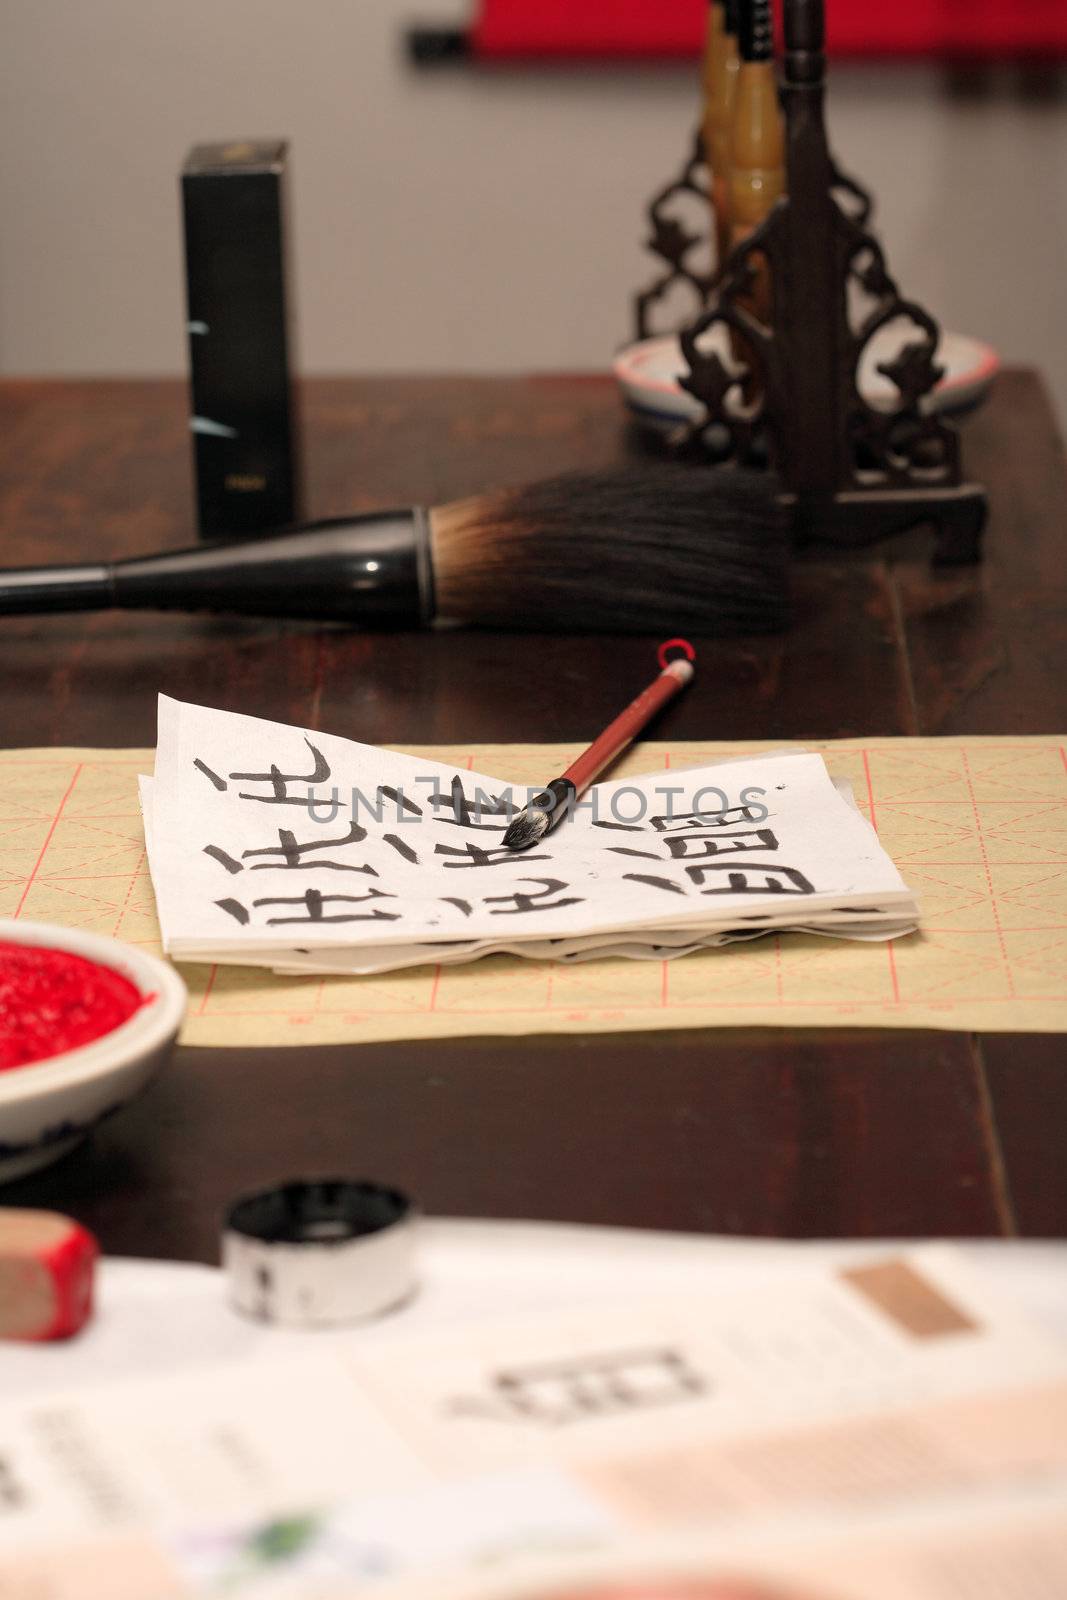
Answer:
(540, 815)
(639, 550)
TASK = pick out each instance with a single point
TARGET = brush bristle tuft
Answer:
(641, 550)
(529, 827)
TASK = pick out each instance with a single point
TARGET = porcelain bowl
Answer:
(48, 1106)
(649, 375)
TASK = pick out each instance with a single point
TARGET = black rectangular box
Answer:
(242, 411)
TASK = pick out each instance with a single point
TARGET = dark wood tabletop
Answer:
(761, 1131)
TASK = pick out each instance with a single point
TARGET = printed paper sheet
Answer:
(812, 1400)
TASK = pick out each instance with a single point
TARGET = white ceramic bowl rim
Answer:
(154, 1022)
(630, 366)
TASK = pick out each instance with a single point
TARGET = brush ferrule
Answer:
(556, 798)
(372, 571)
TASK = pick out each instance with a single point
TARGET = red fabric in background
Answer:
(573, 29)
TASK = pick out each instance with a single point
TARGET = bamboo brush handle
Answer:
(720, 79)
(757, 153)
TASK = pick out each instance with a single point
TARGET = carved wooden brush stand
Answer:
(852, 472)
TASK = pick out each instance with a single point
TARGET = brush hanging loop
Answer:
(788, 389)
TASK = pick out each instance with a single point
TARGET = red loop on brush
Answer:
(681, 645)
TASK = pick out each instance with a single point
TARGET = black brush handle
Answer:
(372, 570)
(755, 30)
(26, 590)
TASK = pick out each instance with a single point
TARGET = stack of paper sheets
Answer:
(272, 846)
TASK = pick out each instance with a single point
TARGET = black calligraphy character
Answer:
(521, 902)
(678, 822)
(460, 905)
(212, 777)
(401, 847)
(279, 780)
(685, 846)
(654, 882)
(235, 909)
(217, 853)
(314, 903)
(474, 855)
(290, 853)
(581, 1388)
(399, 799)
(464, 811)
(749, 880)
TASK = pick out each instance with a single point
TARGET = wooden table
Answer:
(754, 1131)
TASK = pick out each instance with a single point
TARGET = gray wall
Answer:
(451, 220)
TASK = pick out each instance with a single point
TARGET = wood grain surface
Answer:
(767, 1132)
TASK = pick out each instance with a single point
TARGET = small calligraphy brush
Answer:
(540, 815)
(640, 550)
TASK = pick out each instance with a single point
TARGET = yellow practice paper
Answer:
(977, 827)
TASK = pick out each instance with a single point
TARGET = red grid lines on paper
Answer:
(557, 991)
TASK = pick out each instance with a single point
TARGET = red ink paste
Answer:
(51, 1001)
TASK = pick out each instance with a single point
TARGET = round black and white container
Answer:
(320, 1252)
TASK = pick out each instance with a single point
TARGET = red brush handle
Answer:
(628, 724)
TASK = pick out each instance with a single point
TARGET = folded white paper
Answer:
(275, 846)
